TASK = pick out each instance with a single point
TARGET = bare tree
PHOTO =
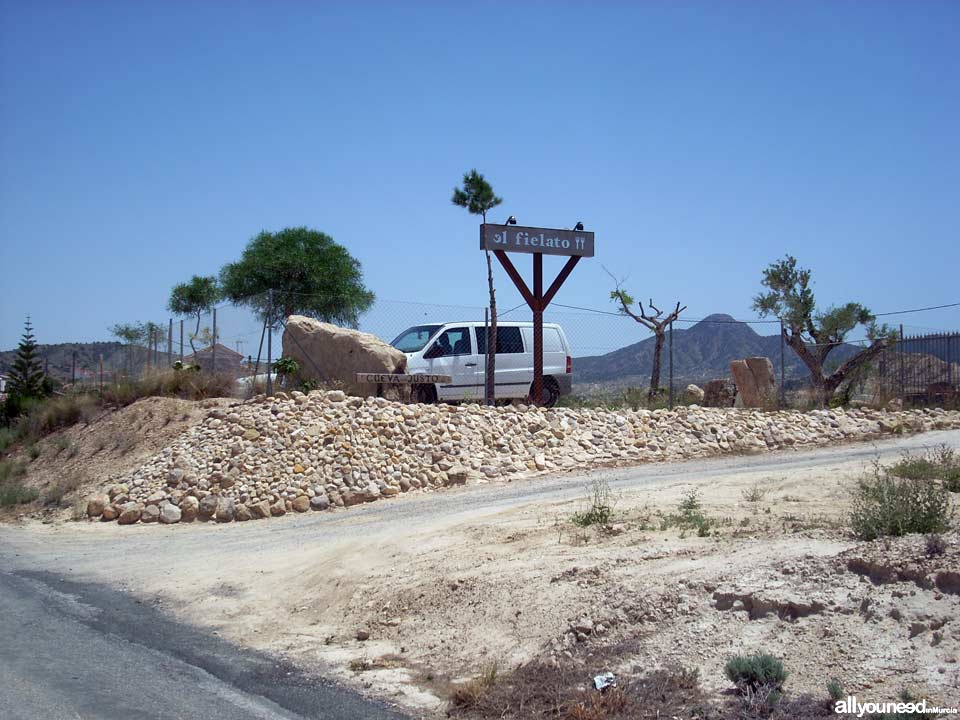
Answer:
(656, 321)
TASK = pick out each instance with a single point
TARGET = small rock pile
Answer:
(293, 453)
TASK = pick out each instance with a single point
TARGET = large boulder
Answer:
(331, 354)
(756, 384)
(764, 379)
(718, 393)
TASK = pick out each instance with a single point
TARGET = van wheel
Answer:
(426, 394)
(551, 392)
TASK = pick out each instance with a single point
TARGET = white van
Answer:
(458, 349)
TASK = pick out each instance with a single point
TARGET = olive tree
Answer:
(655, 321)
(814, 334)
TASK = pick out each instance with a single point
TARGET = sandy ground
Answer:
(445, 584)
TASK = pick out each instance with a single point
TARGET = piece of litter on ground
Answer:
(605, 680)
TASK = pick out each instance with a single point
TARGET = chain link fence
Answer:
(234, 340)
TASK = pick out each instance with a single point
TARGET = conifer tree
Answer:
(26, 374)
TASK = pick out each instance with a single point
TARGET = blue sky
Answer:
(144, 142)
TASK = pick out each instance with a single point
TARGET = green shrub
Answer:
(600, 511)
(12, 490)
(884, 504)
(751, 672)
(940, 463)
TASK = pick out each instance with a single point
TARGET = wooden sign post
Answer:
(503, 239)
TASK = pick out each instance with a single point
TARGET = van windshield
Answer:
(413, 339)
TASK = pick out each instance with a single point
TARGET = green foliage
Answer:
(634, 398)
(884, 504)
(286, 366)
(12, 490)
(195, 297)
(835, 690)
(600, 511)
(476, 195)
(751, 672)
(297, 271)
(130, 333)
(815, 334)
(26, 374)
(940, 463)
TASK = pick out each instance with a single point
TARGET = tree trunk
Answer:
(655, 373)
(193, 337)
(490, 393)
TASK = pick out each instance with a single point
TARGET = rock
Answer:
(208, 506)
(718, 393)
(250, 434)
(540, 461)
(129, 513)
(747, 390)
(175, 477)
(110, 512)
(242, 513)
(693, 394)
(328, 353)
(319, 502)
(457, 475)
(278, 509)
(764, 379)
(116, 491)
(96, 505)
(260, 509)
(170, 514)
(226, 510)
(150, 514)
(189, 509)
(301, 504)
(363, 635)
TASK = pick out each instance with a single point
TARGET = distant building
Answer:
(3, 385)
(228, 361)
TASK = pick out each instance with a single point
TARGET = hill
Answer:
(700, 353)
(59, 357)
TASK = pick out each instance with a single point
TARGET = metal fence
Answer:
(234, 339)
(922, 370)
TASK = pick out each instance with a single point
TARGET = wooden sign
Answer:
(545, 241)
(397, 379)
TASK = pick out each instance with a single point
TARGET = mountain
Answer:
(700, 353)
(59, 358)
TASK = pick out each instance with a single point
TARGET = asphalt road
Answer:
(71, 650)
(73, 645)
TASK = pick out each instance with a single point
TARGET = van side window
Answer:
(509, 340)
(455, 341)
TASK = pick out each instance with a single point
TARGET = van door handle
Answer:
(469, 364)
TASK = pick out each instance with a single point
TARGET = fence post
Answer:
(73, 369)
(213, 354)
(783, 377)
(170, 344)
(101, 374)
(181, 342)
(270, 342)
(671, 364)
(900, 357)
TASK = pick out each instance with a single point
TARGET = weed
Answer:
(754, 672)
(884, 504)
(472, 692)
(33, 452)
(935, 545)
(12, 490)
(61, 443)
(64, 485)
(600, 511)
(835, 690)
(941, 463)
(754, 494)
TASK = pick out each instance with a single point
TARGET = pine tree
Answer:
(26, 374)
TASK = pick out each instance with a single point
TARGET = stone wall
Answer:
(270, 456)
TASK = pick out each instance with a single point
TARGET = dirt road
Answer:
(436, 579)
